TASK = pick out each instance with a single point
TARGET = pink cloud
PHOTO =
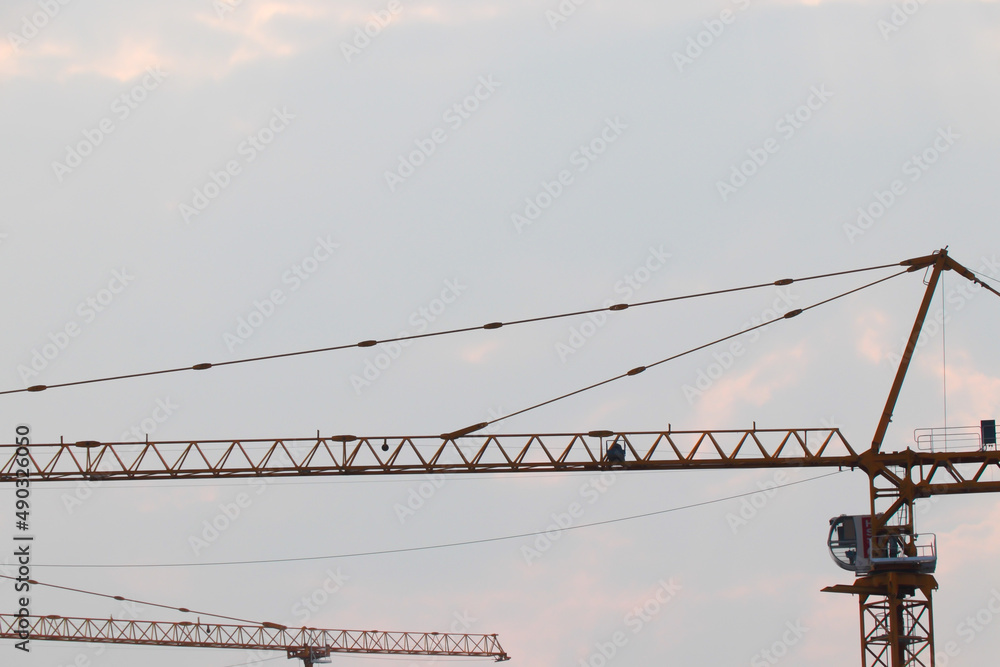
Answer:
(755, 386)
(872, 335)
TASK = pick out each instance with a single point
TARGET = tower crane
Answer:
(893, 564)
(311, 645)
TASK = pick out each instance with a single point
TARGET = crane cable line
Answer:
(429, 547)
(639, 369)
(246, 664)
(981, 274)
(488, 326)
(121, 598)
(944, 357)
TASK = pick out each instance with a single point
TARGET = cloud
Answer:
(255, 29)
(475, 354)
(761, 587)
(756, 386)
(971, 547)
(975, 394)
(211, 41)
(872, 335)
(972, 393)
(131, 59)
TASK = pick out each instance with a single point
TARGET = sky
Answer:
(210, 180)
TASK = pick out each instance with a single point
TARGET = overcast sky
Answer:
(207, 180)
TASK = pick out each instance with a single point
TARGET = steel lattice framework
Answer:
(896, 630)
(901, 476)
(306, 643)
(897, 618)
(350, 455)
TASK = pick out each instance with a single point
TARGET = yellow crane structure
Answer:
(893, 563)
(311, 645)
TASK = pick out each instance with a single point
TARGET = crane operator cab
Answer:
(853, 549)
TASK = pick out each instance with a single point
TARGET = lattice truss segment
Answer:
(933, 473)
(900, 478)
(647, 450)
(912, 639)
(263, 637)
(897, 618)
